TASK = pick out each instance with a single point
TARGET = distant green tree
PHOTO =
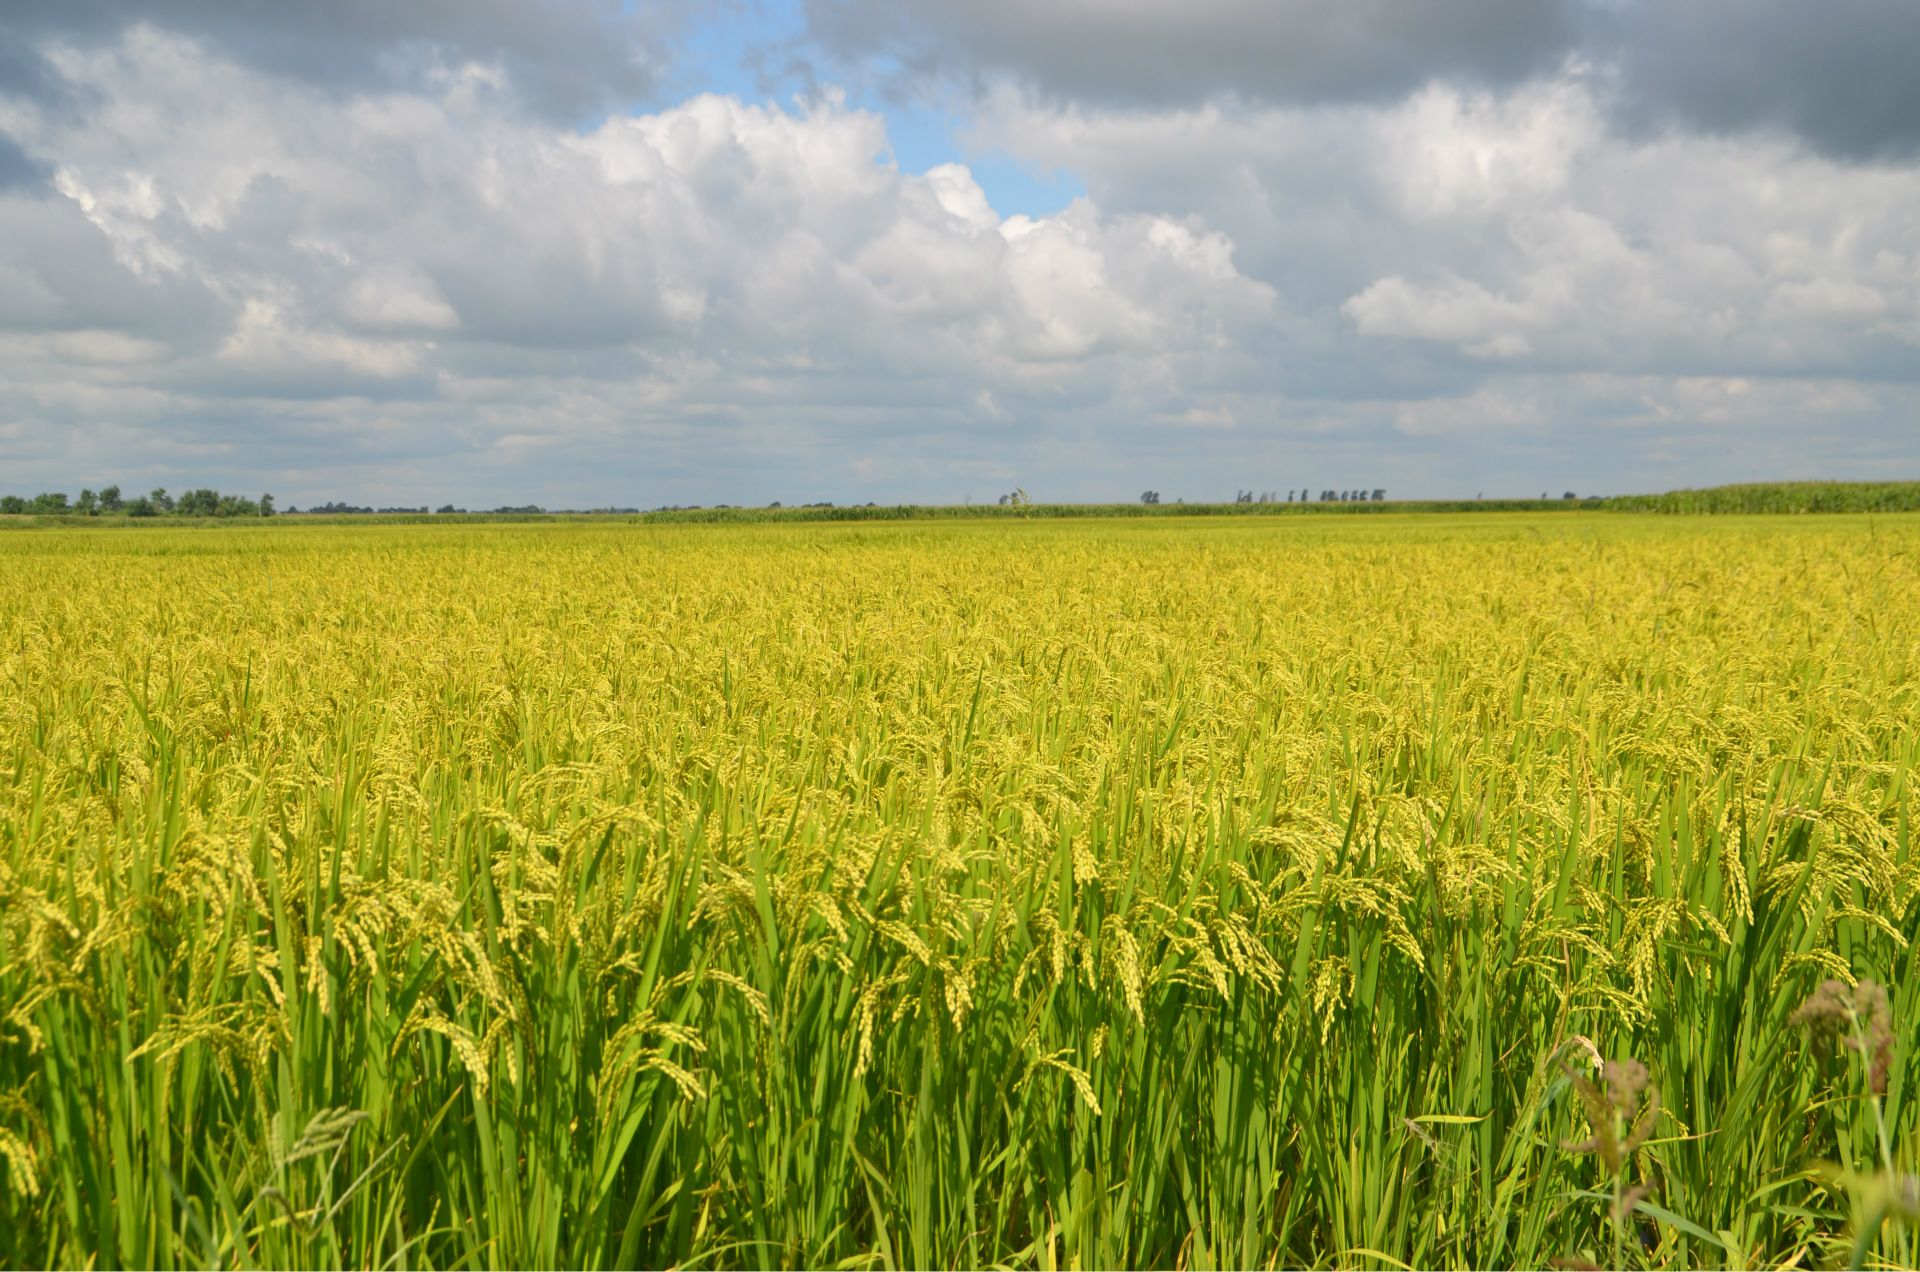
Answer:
(143, 507)
(198, 503)
(13, 505)
(160, 501)
(87, 503)
(266, 505)
(51, 502)
(234, 506)
(110, 499)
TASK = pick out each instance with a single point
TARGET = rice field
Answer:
(1387, 891)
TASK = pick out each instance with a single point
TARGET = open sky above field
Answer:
(585, 253)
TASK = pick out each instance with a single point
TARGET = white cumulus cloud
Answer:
(213, 270)
(381, 264)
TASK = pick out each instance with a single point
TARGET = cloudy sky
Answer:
(583, 253)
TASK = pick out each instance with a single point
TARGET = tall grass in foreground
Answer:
(1152, 893)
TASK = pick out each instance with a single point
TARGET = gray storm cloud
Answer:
(1136, 51)
(1838, 75)
(561, 57)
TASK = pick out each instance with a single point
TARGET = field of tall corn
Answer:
(1157, 892)
(1779, 497)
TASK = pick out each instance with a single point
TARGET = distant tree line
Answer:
(155, 503)
(1273, 496)
(202, 503)
(347, 507)
(1343, 496)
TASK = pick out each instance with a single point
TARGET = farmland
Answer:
(1200, 892)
